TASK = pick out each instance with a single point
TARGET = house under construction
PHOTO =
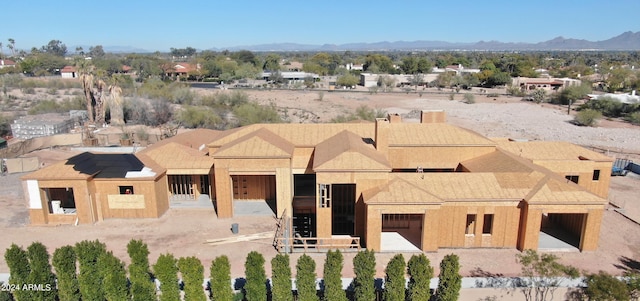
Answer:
(434, 184)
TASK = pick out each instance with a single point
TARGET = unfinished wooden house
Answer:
(431, 184)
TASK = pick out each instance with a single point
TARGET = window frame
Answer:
(123, 189)
(490, 218)
(596, 175)
(470, 228)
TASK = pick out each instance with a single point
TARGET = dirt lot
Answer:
(184, 231)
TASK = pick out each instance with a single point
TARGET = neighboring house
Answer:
(182, 69)
(293, 66)
(630, 98)
(371, 79)
(7, 64)
(549, 84)
(32, 126)
(430, 184)
(355, 67)
(291, 77)
(457, 69)
(69, 72)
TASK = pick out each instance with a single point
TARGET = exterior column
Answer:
(430, 230)
(224, 193)
(530, 222)
(197, 189)
(284, 194)
(373, 229)
(591, 230)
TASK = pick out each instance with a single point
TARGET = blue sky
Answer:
(160, 25)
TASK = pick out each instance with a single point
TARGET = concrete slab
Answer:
(187, 202)
(394, 242)
(251, 208)
(549, 243)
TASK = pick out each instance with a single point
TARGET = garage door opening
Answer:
(561, 231)
(401, 232)
(254, 195)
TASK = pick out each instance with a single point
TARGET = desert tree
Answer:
(450, 279)
(40, 273)
(394, 281)
(420, 274)
(17, 260)
(114, 277)
(192, 276)
(64, 263)
(281, 289)
(332, 276)
(166, 271)
(542, 274)
(306, 279)
(89, 280)
(221, 279)
(364, 267)
(256, 286)
(142, 288)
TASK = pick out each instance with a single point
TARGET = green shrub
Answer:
(40, 273)
(394, 280)
(605, 287)
(142, 288)
(255, 288)
(89, 279)
(64, 262)
(192, 276)
(364, 267)
(634, 118)
(114, 277)
(332, 276)
(17, 260)
(221, 279)
(469, 98)
(420, 274)
(587, 117)
(450, 279)
(306, 279)
(166, 271)
(281, 289)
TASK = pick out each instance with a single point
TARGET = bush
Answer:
(40, 273)
(587, 117)
(420, 274)
(332, 276)
(89, 279)
(450, 279)
(634, 118)
(605, 287)
(306, 279)
(192, 276)
(64, 262)
(166, 271)
(394, 280)
(364, 267)
(281, 289)
(221, 279)
(250, 113)
(469, 98)
(142, 288)
(114, 277)
(19, 270)
(255, 288)
(199, 117)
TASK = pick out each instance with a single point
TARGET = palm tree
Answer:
(12, 47)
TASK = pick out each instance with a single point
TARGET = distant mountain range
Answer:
(625, 41)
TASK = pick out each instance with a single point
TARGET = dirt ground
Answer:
(183, 232)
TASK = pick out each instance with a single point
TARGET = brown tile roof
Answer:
(67, 69)
(551, 150)
(347, 151)
(426, 134)
(259, 144)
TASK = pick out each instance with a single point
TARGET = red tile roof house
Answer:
(69, 72)
(7, 63)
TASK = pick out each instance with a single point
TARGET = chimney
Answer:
(394, 118)
(433, 116)
(382, 136)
